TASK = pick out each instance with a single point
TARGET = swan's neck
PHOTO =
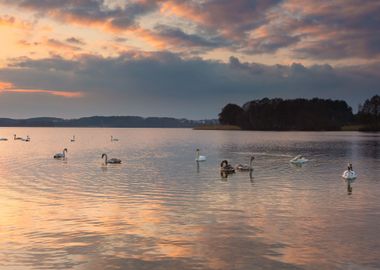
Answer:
(251, 162)
(106, 158)
(198, 154)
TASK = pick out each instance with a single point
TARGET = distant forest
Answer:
(302, 114)
(104, 121)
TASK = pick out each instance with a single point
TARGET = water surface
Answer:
(159, 210)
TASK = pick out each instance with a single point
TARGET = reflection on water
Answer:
(161, 210)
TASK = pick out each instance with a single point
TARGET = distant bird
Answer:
(226, 168)
(61, 155)
(349, 174)
(111, 161)
(245, 167)
(27, 139)
(17, 138)
(114, 139)
(3, 139)
(300, 159)
(73, 139)
(198, 157)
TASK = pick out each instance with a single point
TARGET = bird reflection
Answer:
(224, 175)
(197, 167)
(250, 177)
(349, 187)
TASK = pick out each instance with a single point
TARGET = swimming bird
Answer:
(73, 139)
(245, 167)
(198, 157)
(226, 168)
(300, 159)
(114, 139)
(16, 138)
(349, 174)
(61, 155)
(111, 160)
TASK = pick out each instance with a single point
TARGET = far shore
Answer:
(217, 127)
(232, 127)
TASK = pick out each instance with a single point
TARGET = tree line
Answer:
(301, 114)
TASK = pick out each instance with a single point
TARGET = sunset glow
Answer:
(90, 45)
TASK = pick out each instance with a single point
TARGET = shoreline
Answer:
(347, 128)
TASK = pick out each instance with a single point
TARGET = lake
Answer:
(160, 210)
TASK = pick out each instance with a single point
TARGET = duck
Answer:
(73, 139)
(245, 167)
(114, 139)
(61, 155)
(300, 159)
(3, 139)
(111, 160)
(349, 174)
(226, 168)
(198, 157)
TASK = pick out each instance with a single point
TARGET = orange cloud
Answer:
(10, 21)
(65, 94)
(6, 87)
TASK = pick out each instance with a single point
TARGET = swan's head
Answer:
(224, 163)
(104, 155)
(197, 150)
(252, 158)
(65, 150)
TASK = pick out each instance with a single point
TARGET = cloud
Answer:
(166, 37)
(331, 29)
(7, 87)
(162, 83)
(89, 12)
(312, 30)
(65, 94)
(11, 21)
(76, 41)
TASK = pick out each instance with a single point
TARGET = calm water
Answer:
(159, 210)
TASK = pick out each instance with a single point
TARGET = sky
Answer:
(182, 58)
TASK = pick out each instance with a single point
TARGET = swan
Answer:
(300, 159)
(73, 139)
(61, 155)
(199, 158)
(3, 139)
(226, 168)
(114, 139)
(111, 160)
(349, 174)
(16, 138)
(245, 167)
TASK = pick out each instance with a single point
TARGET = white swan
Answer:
(245, 167)
(61, 155)
(198, 157)
(3, 139)
(73, 139)
(114, 139)
(111, 160)
(349, 174)
(300, 159)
